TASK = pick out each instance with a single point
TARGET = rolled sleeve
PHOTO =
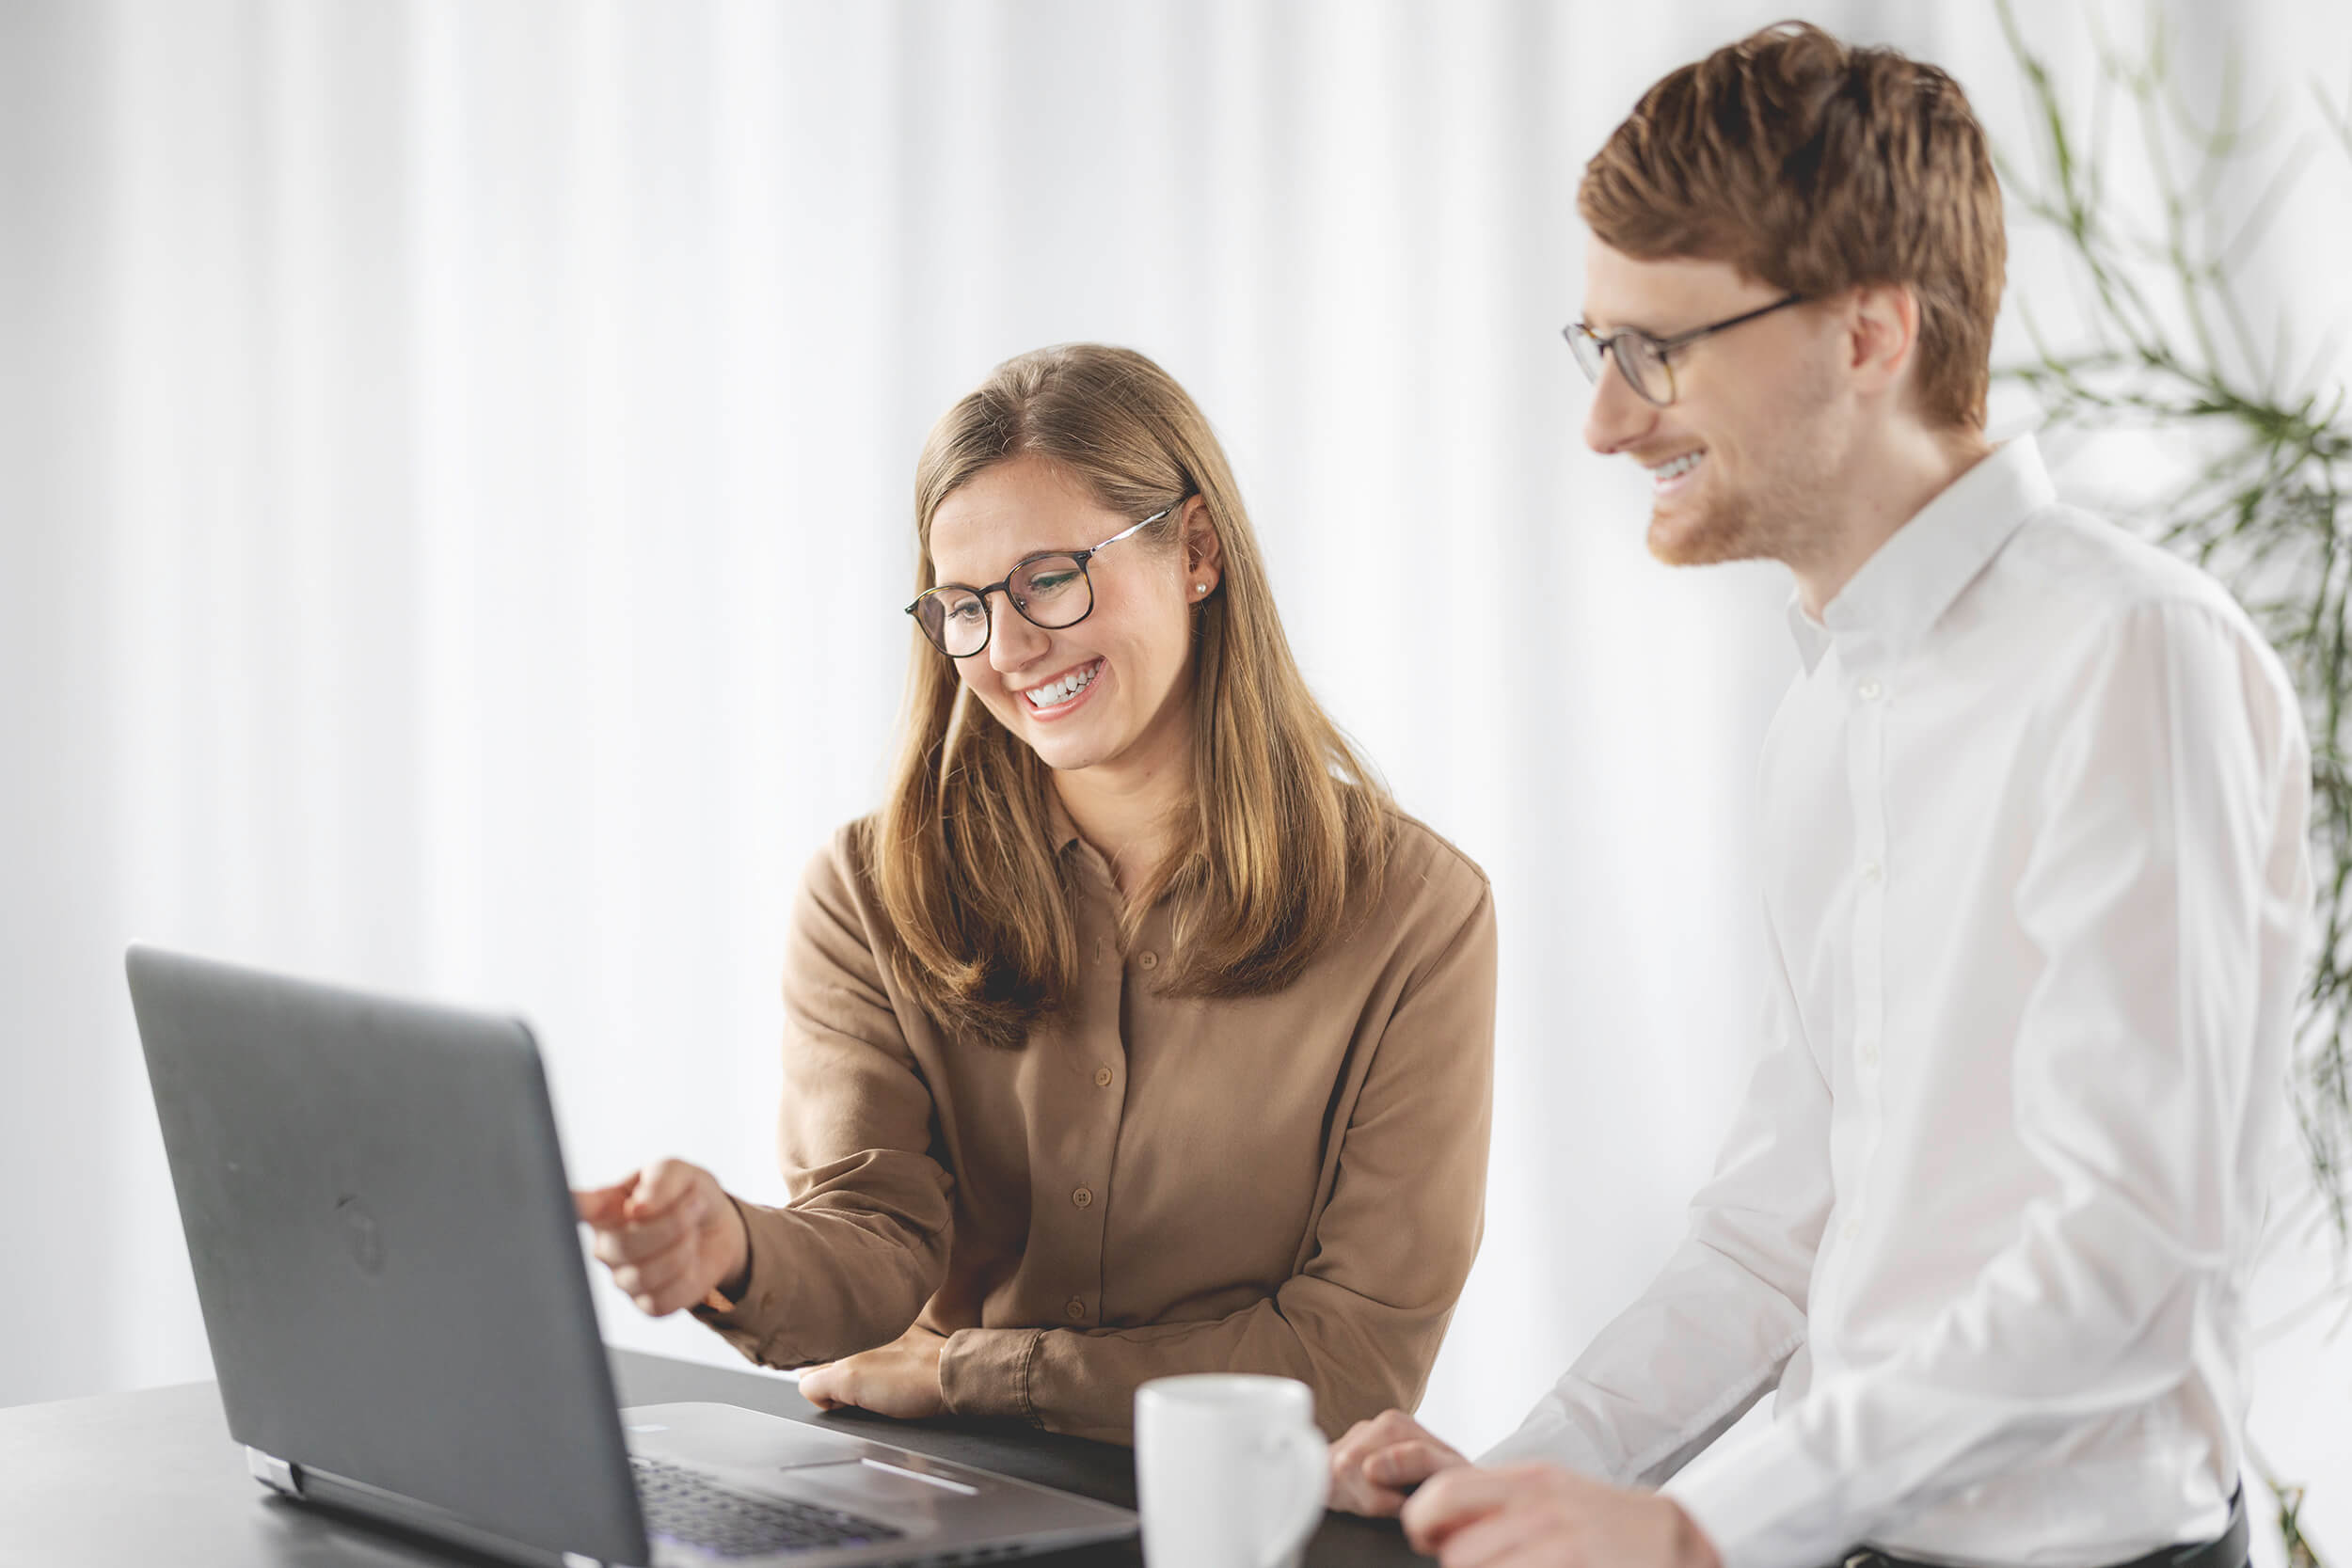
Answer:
(848, 1261)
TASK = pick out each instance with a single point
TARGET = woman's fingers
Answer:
(663, 1186)
(647, 1232)
(640, 1243)
(602, 1206)
(825, 1386)
(658, 1276)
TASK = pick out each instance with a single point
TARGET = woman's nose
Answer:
(1013, 643)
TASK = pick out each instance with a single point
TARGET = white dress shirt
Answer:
(2036, 879)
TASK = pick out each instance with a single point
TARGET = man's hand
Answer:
(900, 1379)
(1372, 1465)
(1543, 1517)
(668, 1233)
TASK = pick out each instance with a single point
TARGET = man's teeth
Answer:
(1061, 692)
(1665, 473)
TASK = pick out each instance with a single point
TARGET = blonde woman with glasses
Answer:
(1139, 1032)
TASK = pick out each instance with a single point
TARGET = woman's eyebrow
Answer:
(1041, 555)
(1033, 555)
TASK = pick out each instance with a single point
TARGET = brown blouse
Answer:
(1288, 1183)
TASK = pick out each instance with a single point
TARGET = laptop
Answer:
(391, 1275)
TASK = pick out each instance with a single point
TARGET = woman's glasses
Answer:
(1049, 591)
(1646, 362)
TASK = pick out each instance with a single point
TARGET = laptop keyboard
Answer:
(684, 1507)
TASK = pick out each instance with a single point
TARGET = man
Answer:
(2036, 881)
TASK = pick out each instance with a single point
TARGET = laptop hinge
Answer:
(274, 1473)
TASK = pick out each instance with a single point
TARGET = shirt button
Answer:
(1148, 959)
(1848, 1231)
(1869, 1055)
(1077, 1310)
(1871, 691)
(1872, 872)
(1101, 1078)
(1082, 1197)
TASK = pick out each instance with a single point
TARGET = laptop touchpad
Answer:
(737, 1439)
(880, 1490)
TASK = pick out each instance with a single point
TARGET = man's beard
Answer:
(1762, 523)
(1776, 514)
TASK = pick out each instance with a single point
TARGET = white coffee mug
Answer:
(1229, 1468)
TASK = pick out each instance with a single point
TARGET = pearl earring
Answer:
(1199, 587)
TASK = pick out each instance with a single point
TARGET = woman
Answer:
(1139, 1032)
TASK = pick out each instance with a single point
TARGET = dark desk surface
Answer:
(151, 1477)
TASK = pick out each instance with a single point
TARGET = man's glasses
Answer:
(1049, 591)
(1646, 362)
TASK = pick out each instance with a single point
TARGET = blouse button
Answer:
(1149, 959)
(1077, 1310)
(1082, 1197)
(1871, 691)
(1101, 1078)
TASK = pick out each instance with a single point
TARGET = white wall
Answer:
(454, 484)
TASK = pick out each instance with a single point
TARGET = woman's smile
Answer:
(1065, 694)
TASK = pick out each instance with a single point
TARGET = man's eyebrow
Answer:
(1607, 330)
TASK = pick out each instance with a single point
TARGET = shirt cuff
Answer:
(1552, 1442)
(750, 1323)
(1769, 1505)
(985, 1371)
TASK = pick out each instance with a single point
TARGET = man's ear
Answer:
(1881, 335)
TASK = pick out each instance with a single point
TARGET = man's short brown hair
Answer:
(1819, 168)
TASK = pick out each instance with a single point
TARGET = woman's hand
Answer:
(899, 1379)
(669, 1234)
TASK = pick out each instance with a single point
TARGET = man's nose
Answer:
(1012, 641)
(1619, 415)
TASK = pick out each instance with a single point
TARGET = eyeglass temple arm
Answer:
(1679, 338)
(1134, 528)
(1082, 557)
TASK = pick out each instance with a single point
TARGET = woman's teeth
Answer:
(1058, 692)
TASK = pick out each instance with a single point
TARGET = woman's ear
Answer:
(1204, 559)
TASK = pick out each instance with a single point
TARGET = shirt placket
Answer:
(1078, 1194)
(1867, 700)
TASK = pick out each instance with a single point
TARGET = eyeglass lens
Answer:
(1644, 365)
(1052, 591)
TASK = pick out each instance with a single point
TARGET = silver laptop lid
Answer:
(384, 1249)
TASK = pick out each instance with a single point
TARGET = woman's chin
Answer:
(1065, 753)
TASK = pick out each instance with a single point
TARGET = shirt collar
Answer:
(1061, 831)
(1905, 588)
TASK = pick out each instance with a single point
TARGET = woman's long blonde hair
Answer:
(1287, 825)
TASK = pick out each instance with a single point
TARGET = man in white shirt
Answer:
(2036, 879)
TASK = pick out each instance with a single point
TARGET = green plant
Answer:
(2165, 347)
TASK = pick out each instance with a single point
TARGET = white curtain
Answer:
(455, 505)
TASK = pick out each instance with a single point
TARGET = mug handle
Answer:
(1304, 1460)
